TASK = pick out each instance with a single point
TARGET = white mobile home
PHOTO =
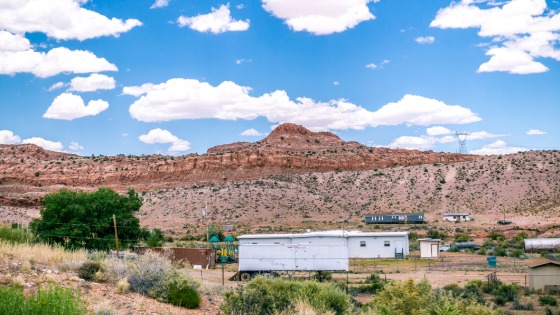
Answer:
(456, 216)
(358, 244)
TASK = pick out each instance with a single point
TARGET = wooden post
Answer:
(116, 235)
(223, 281)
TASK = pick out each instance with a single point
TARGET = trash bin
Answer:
(491, 261)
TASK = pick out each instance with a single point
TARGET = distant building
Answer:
(544, 275)
(541, 243)
(429, 247)
(456, 216)
(383, 218)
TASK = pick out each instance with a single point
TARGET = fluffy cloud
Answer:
(372, 66)
(68, 106)
(431, 138)
(533, 132)
(521, 30)
(192, 99)
(251, 133)
(75, 146)
(45, 144)
(160, 4)
(94, 82)
(218, 21)
(138, 90)
(425, 40)
(496, 148)
(17, 55)
(437, 131)
(59, 19)
(163, 136)
(320, 17)
(413, 143)
(8, 137)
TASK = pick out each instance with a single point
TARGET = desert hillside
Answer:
(298, 179)
(524, 186)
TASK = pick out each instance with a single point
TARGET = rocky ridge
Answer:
(28, 171)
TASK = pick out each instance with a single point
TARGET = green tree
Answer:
(155, 238)
(78, 219)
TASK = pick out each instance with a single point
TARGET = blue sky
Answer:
(180, 76)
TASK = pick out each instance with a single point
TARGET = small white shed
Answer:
(429, 247)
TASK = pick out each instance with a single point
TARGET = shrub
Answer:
(88, 270)
(15, 235)
(269, 296)
(123, 286)
(548, 300)
(154, 275)
(181, 292)
(51, 301)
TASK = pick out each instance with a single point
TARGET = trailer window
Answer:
(362, 243)
(387, 243)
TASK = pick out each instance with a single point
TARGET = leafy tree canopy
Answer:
(78, 219)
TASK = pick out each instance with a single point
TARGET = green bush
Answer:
(154, 275)
(270, 296)
(88, 269)
(548, 300)
(182, 293)
(51, 301)
(15, 235)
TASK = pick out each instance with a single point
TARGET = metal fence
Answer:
(447, 262)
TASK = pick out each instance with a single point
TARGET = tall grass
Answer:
(50, 301)
(15, 235)
(42, 253)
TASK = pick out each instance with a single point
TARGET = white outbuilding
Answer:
(429, 247)
(456, 216)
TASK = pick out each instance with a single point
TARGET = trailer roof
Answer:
(335, 233)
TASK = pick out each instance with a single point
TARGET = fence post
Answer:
(414, 263)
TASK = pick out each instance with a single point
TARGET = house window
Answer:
(362, 243)
(387, 243)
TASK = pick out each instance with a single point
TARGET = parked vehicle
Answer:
(444, 248)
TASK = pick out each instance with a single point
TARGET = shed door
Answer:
(435, 250)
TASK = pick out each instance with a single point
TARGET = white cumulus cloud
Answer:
(437, 131)
(191, 99)
(92, 83)
(320, 17)
(138, 90)
(497, 148)
(425, 40)
(75, 146)
(8, 137)
(413, 143)
(520, 31)
(17, 56)
(163, 136)
(59, 19)
(251, 133)
(68, 106)
(45, 144)
(372, 66)
(533, 132)
(218, 21)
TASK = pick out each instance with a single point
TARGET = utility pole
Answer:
(116, 236)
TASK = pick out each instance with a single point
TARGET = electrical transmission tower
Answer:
(462, 141)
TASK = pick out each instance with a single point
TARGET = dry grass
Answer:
(42, 254)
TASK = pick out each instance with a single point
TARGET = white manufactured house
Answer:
(456, 216)
(315, 251)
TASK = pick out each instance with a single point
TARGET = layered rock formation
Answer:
(28, 170)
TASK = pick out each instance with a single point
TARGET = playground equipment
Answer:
(226, 251)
